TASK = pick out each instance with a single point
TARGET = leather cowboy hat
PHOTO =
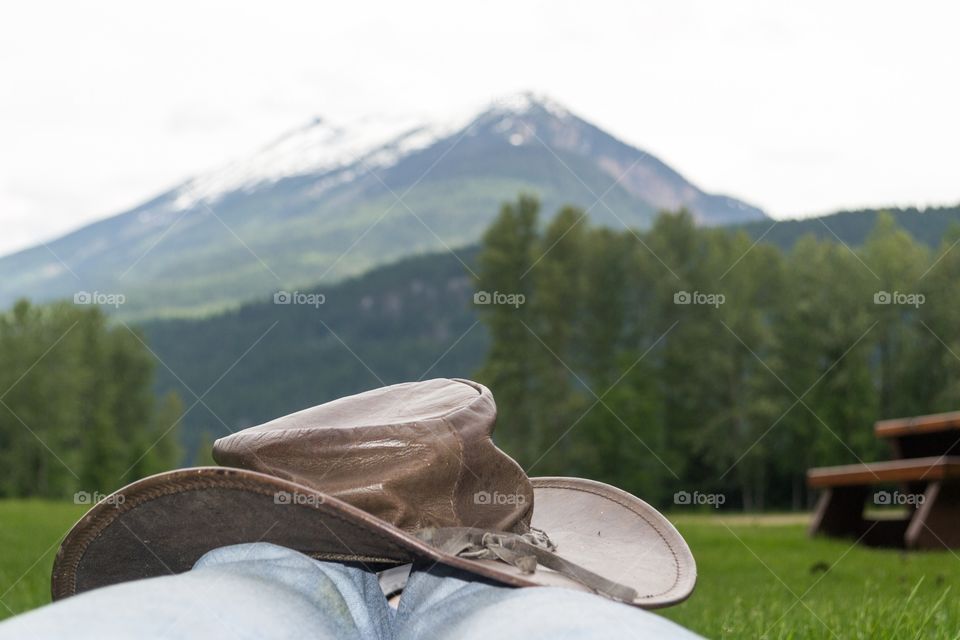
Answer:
(385, 477)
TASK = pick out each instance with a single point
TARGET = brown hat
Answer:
(387, 476)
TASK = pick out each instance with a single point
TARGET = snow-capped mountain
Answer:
(332, 199)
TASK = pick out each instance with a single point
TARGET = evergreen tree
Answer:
(503, 265)
(559, 286)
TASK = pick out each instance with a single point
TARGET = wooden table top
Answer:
(917, 425)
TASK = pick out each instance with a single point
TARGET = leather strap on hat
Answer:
(523, 551)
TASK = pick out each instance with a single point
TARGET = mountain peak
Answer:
(525, 102)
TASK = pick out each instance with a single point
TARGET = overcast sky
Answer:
(799, 109)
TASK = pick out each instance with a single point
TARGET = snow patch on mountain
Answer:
(325, 149)
(316, 149)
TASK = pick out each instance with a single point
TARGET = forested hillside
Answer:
(410, 320)
(852, 227)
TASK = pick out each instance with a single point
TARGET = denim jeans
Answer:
(262, 591)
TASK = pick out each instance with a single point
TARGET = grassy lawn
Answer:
(30, 534)
(759, 577)
(762, 577)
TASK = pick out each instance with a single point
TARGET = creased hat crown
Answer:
(417, 455)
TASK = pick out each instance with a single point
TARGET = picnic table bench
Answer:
(927, 470)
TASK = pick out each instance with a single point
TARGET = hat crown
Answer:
(416, 455)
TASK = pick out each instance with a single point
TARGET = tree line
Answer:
(677, 358)
(698, 359)
(78, 416)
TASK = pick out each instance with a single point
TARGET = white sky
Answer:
(799, 109)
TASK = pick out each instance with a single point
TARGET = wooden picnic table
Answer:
(926, 472)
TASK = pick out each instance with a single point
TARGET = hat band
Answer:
(523, 551)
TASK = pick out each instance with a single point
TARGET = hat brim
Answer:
(163, 524)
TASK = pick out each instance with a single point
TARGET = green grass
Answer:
(764, 578)
(760, 577)
(30, 534)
